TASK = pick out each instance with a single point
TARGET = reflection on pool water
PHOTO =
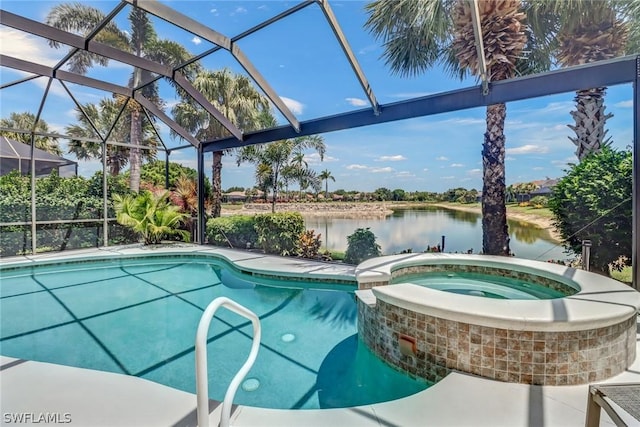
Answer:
(482, 285)
(139, 316)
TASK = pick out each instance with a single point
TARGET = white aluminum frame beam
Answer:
(194, 27)
(346, 48)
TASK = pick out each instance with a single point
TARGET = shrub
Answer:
(539, 202)
(309, 245)
(234, 230)
(594, 202)
(279, 233)
(361, 245)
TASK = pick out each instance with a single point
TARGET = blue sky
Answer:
(304, 64)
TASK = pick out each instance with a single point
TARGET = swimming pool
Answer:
(138, 316)
(482, 285)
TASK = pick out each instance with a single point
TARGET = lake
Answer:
(416, 229)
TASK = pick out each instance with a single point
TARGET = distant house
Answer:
(545, 187)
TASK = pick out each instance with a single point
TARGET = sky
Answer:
(306, 67)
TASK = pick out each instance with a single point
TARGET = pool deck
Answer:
(85, 397)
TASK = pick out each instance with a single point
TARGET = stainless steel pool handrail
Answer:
(202, 380)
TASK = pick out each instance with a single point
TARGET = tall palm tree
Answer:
(582, 32)
(237, 99)
(298, 166)
(275, 156)
(419, 34)
(140, 39)
(26, 121)
(103, 115)
(325, 176)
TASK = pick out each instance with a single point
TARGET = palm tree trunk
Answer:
(135, 158)
(495, 233)
(217, 183)
(134, 152)
(590, 119)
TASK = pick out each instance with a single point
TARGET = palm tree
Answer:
(26, 121)
(141, 40)
(299, 165)
(325, 176)
(237, 99)
(151, 215)
(275, 156)
(418, 34)
(581, 32)
(103, 115)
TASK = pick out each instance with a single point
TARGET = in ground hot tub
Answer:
(584, 332)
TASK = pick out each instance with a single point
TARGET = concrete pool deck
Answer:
(94, 398)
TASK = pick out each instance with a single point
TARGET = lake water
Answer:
(416, 229)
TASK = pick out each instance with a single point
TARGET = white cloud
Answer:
(457, 165)
(357, 102)
(382, 170)
(367, 49)
(538, 168)
(314, 159)
(527, 149)
(442, 158)
(475, 172)
(448, 177)
(214, 11)
(239, 9)
(405, 174)
(624, 104)
(29, 48)
(196, 40)
(357, 167)
(263, 7)
(425, 170)
(396, 158)
(296, 107)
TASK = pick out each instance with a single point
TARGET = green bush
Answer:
(361, 245)
(539, 201)
(278, 233)
(234, 230)
(594, 202)
(57, 198)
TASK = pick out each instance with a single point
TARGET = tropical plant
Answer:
(594, 202)
(237, 99)
(361, 245)
(237, 231)
(151, 215)
(273, 157)
(418, 34)
(103, 116)
(26, 121)
(309, 244)
(325, 176)
(141, 40)
(279, 233)
(580, 32)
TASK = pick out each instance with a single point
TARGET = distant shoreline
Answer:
(381, 210)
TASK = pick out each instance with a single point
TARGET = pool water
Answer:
(139, 317)
(482, 285)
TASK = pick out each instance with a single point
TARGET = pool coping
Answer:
(600, 302)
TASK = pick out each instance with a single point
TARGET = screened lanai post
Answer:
(635, 255)
(166, 168)
(201, 214)
(33, 190)
(105, 196)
